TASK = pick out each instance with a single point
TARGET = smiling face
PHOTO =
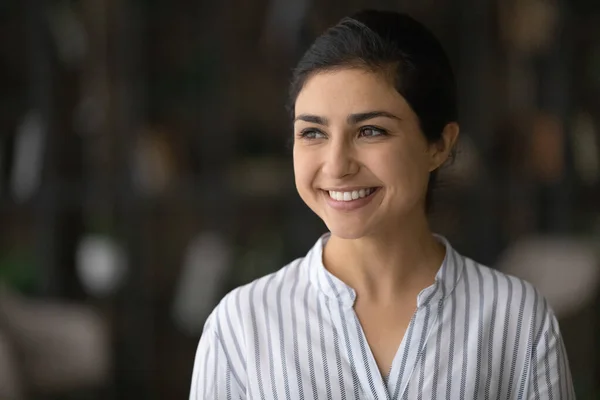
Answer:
(361, 162)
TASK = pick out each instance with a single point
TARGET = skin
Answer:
(353, 129)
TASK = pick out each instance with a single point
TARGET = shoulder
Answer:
(267, 286)
(492, 280)
(231, 315)
(505, 294)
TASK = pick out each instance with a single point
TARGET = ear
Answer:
(440, 150)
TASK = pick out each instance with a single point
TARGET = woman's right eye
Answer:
(311, 134)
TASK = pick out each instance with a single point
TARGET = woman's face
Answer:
(361, 162)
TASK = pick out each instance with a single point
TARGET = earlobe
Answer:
(442, 148)
(437, 159)
(436, 156)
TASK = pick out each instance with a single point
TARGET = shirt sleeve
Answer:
(213, 376)
(550, 372)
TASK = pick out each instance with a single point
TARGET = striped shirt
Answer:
(476, 334)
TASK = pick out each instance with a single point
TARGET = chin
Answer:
(347, 231)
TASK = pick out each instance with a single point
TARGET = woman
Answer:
(380, 308)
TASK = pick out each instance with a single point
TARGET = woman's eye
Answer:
(311, 134)
(371, 132)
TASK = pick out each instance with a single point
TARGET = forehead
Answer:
(348, 91)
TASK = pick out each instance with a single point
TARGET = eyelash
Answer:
(380, 131)
(304, 134)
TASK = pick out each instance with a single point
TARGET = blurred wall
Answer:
(145, 170)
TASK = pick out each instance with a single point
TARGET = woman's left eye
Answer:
(371, 132)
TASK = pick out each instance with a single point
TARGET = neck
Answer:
(387, 266)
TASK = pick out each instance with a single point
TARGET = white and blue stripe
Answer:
(476, 334)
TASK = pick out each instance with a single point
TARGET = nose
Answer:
(339, 160)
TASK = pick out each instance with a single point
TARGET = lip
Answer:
(349, 205)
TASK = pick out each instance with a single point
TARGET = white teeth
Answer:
(349, 196)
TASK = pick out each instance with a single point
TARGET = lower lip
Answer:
(349, 205)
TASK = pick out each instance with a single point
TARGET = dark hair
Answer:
(395, 44)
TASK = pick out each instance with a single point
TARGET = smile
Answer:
(349, 200)
(351, 195)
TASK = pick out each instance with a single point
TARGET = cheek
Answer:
(303, 173)
(406, 167)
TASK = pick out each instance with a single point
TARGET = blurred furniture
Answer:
(56, 348)
(11, 386)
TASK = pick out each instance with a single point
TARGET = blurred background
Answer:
(145, 171)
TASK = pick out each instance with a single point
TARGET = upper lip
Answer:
(348, 189)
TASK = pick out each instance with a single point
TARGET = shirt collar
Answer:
(333, 288)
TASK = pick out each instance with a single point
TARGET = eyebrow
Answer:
(360, 117)
(315, 119)
(352, 119)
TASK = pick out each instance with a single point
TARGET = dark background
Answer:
(145, 170)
